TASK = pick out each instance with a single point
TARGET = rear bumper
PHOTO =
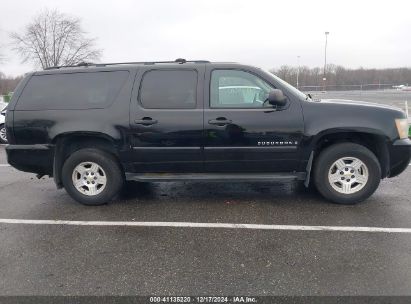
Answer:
(31, 158)
(400, 156)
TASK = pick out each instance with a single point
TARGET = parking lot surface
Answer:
(59, 259)
(127, 260)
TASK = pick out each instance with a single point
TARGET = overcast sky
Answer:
(262, 33)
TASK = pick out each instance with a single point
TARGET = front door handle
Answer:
(220, 121)
(146, 121)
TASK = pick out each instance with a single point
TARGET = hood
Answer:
(336, 115)
(359, 103)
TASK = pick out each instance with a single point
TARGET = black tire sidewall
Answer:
(110, 166)
(335, 152)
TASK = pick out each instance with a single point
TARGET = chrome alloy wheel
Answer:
(3, 134)
(348, 175)
(89, 178)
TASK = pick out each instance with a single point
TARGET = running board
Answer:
(239, 177)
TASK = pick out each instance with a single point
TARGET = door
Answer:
(166, 120)
(242, 132)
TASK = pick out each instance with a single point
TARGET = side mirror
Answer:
(277, 98)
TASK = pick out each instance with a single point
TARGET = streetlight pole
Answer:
(298, 69)
(325, 60)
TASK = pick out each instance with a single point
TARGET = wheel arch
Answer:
(373, 140)
(67, 143)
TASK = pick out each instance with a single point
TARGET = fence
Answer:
(350, 87)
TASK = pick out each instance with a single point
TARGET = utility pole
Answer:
(298, 69)
(325, 61)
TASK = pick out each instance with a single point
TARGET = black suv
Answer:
(93, 127)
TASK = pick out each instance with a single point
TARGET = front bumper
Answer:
(31, 158)
(400, 156)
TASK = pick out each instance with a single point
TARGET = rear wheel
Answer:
(3, 137)
(347, 173)
(92, 177)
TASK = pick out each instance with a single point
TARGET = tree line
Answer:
(8, 84)
(340, 78)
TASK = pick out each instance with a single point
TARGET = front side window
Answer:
(237, 89)
(169, 89)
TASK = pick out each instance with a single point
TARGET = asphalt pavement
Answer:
(127, 260)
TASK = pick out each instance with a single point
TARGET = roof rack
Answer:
(87, 64)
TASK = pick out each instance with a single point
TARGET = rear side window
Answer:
(169, 89)
(74, 91)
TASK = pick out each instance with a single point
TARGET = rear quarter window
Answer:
(72, 91)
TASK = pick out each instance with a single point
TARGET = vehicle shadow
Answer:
(133, 190)
(209, 192)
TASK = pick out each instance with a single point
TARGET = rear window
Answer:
(169, 89)
(74, 91)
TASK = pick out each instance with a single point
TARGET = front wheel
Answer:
(3, 136)
(347, 173)
(92, 177)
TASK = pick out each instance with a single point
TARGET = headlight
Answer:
(402, 127)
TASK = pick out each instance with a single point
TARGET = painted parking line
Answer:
(206, 225)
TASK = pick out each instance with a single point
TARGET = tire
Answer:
(97, 186)
(3, 138)
(333, 180)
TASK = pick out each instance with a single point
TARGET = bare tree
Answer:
(54, 39)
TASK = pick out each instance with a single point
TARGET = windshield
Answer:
(288, 86)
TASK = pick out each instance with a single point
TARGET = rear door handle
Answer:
(146, 121)
(220, 121)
